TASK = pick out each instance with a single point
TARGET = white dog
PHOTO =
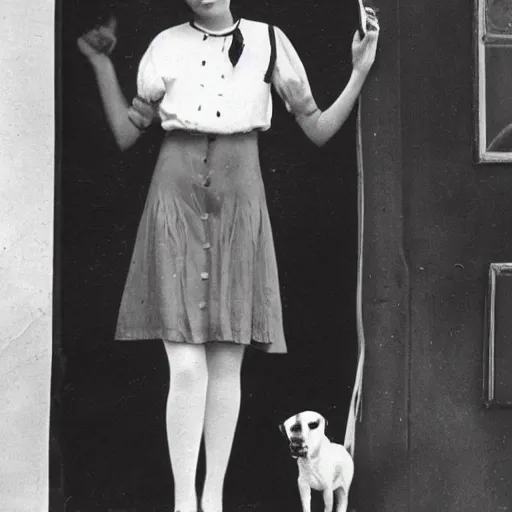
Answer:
(323, 466)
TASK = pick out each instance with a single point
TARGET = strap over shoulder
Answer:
(272, 60)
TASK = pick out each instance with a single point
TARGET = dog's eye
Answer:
(313, 425)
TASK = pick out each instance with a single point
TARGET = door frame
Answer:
(382, 443)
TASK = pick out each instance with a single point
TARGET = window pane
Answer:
(499, 95)
(499, 17)
(503, 340)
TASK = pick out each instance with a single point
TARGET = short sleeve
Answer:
(290, 79)
(150, 84)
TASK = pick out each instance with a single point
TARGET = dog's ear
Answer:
(282, 429)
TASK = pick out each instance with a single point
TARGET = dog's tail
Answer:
(355, 402)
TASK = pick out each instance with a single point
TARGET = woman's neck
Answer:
(215, 23)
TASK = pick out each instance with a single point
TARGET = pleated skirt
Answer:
(203, 267)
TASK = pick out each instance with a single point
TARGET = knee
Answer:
(225, 364)
(188, 373)
(224, 378)
(228, 376)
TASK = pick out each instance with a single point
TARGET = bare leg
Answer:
(222, 407)
(185, 418)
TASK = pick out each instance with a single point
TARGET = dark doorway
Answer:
(108, 447)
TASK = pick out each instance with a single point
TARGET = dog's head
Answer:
(305, 431)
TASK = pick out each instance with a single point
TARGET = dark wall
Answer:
(459, 219)
(451, 218)
(108, 412)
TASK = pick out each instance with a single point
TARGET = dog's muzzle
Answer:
(298, 449)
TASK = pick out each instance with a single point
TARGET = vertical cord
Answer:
(356, 400)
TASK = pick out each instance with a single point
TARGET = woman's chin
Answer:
(206, 7)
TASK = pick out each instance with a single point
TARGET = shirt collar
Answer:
(216, 33)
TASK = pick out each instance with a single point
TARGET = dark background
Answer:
(108, 444)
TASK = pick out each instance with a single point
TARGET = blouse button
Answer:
(203, 63)
(204, 276)
(207, 245)
(204, 216)
(207, 182)
(202, 305)
(218, 114)
(205, 37)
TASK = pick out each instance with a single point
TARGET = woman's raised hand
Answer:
(99, 41)
(365, 49)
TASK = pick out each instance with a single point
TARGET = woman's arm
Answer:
(115, 104)
(293, 85)
(126, 122)
(320, 126)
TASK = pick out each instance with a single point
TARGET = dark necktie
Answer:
(237, 46)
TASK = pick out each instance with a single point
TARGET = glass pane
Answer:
(499, 97)
(499, 17)
(503, 340)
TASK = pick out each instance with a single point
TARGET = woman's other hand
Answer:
(142, 113)
(365, 49)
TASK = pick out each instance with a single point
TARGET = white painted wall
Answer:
(26, 247)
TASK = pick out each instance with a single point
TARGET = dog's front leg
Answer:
(328, 499)
(305, 494)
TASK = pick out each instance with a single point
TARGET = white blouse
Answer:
(188, 71)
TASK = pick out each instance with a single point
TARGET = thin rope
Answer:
(356, 400)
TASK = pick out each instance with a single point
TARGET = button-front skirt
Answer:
(203, 267)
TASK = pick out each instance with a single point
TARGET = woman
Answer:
(203, 276)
